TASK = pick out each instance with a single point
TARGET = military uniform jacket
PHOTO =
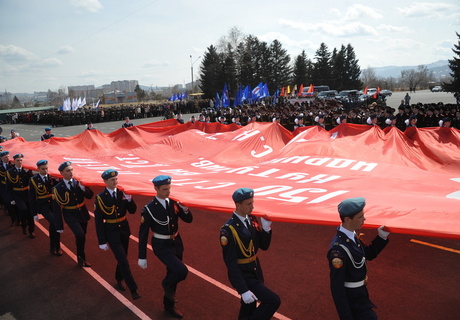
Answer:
(40, 194)
(156, 218)
(347, 263)
(3, 170)
(17, 183)
(46, 136)
(110, 216)
(239, 249)
(70, 204)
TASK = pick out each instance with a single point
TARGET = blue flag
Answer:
(225, 99)
(217, 101)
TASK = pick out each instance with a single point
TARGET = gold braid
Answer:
(247, 252)
(59, 199)
(40, 191)
(105, 208)
(14, 181)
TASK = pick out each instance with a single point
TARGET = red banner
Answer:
(411, 180)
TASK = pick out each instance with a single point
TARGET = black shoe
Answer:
(120, 286)
(56, 252)
(31, 235)
(24, 231)
(174, 312)
(135, 295)
(82, 263)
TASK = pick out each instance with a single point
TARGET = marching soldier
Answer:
(240, 238)
(112, 227)
(47, 134)
(17, 184)
(41, 202)
(347, 262)
(69, 202)
(4, 194)
(161, 215)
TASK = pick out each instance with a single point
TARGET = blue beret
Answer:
(242, 194)
(4, 153)
(64, 165)
(18, 155)
(41, 162)
(47, 129)
(351, 206)
(109, 173)
(161, 180)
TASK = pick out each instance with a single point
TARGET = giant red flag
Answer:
(411, 180)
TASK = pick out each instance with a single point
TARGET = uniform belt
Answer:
(115, 220)
(3, 182)
(247, 260)
(74, 207)
(21, 189)
(357, 284)
(45, 196)
(165, 236)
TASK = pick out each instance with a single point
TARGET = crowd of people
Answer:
(290, 114)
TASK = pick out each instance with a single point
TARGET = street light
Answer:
(191, 68)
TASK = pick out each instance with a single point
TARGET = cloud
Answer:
(156, 63)
(47, 63)
(65, 50)
(92, 6)
(358, 12)
(428, 10)
(90, 73)
(391, 28)
(14, 54)
(333, 28)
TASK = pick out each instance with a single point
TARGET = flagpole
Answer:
(191, 69)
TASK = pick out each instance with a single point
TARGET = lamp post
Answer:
(191, 68)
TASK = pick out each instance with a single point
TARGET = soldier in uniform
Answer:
(41, 202)
(17, 184)
(161, 215)
(240, 238)
(47, 134)
(69, 201)
(4, 194)
(112, 227)
(347, 262)
(127, 123)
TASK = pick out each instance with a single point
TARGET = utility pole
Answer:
(191, 68)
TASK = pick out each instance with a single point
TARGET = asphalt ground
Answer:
(413, 278)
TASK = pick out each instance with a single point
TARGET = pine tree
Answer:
(281, 70)
(353, 70)
(322, 70)
(454, 66)
(210, 71)
(301, 73)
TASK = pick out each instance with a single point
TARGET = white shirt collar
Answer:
(348, 233)
(163, 201)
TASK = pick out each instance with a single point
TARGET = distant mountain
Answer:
(440, 68)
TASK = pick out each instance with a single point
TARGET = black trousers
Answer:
(79, 230)
(24, 215)
(269, 302)
(55, 237)
(123, 271)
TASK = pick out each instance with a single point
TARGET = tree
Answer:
(301, 73)
(229, 71)
(369, 78)
(322, 70)
(352, 69)
(338, 72)
(279, 64)
(140, 93)
(454, 66)
(416, 78)
(209, 73)
(16, 102)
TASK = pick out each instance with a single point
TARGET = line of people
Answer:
(26, 195)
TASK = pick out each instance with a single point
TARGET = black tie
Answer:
(46, 179)
(246, 222)
(70, 186)
(167, 205)
(114, 196)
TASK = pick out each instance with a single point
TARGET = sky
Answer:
(52, 44)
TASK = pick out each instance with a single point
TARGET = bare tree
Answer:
(369, 78)
(417, 78)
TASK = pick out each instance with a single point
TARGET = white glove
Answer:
(266, 224)
(104, 247)
(382, 233)
(36, 218)
(13, 203)
(142, 263)
(59, 231)
(248, 297)
(127, 197)
(183, 207)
